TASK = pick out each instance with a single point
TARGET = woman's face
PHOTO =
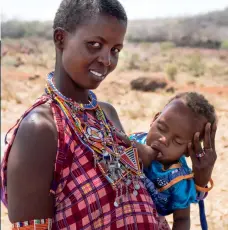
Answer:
(91, 52)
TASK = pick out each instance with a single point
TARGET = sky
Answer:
(136, 9)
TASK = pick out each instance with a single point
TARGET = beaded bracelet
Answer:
(201, 195)
(205, 189)
(133, 144)
(39, 224)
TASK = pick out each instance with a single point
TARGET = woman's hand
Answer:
(203, 159)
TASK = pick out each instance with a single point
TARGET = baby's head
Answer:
(173, 128)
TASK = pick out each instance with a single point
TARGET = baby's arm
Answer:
(181, 219)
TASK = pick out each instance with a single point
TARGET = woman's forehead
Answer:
(105, 26)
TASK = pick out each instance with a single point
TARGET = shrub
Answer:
(171, 71)
(196, 65)
(224, 45)
(21, 29)
(167, 45)
(134, 62)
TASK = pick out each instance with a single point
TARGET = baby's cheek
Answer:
(150, 139)
(152, 135)
(179, 151)
(184, 149)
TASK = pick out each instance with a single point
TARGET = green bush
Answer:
(134, 62)
(167, 45)
(21, 29)
(171, 71)
(224, 45)
(196, 65)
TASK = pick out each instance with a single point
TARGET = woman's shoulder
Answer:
(35, 137)
(111, 114)
(108, 109)
(30, 163)
(39, 120)
(106, 105)
(37, 131)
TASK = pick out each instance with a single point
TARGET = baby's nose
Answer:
(163, 140)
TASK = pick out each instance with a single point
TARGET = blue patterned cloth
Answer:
(178, 196)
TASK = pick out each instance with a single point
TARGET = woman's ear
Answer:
(59, 37)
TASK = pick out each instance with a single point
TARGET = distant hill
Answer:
(207, 30)
(21, 29)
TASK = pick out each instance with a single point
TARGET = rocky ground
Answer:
(156, 74)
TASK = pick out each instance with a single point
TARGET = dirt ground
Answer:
(26, 64)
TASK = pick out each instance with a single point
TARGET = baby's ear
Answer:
(155, 117)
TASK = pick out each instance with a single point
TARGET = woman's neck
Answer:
(69, 88)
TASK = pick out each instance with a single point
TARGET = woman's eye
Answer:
(115, 50)
(95, 44)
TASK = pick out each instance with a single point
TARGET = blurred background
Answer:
(170, 47)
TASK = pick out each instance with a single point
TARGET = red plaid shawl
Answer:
(83, 197)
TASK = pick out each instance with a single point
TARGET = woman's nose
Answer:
(105, 58)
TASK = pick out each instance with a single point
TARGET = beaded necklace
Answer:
(119, 165)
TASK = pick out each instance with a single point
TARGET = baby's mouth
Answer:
(159, 156)
(156, 149)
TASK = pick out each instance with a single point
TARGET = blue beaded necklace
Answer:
(92, 97)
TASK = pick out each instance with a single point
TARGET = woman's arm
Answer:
(112, 115)
(30, 168)
(181, 219)
(146, 153)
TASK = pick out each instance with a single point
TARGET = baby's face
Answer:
(173, 129)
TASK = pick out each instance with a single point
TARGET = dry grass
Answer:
(20, 87)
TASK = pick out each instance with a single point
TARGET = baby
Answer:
(174, 134)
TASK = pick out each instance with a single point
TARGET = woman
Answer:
(66, 166)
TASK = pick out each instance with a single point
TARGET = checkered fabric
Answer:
(83, 198)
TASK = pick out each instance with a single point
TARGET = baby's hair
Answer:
(198, 104)
(74, 12)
